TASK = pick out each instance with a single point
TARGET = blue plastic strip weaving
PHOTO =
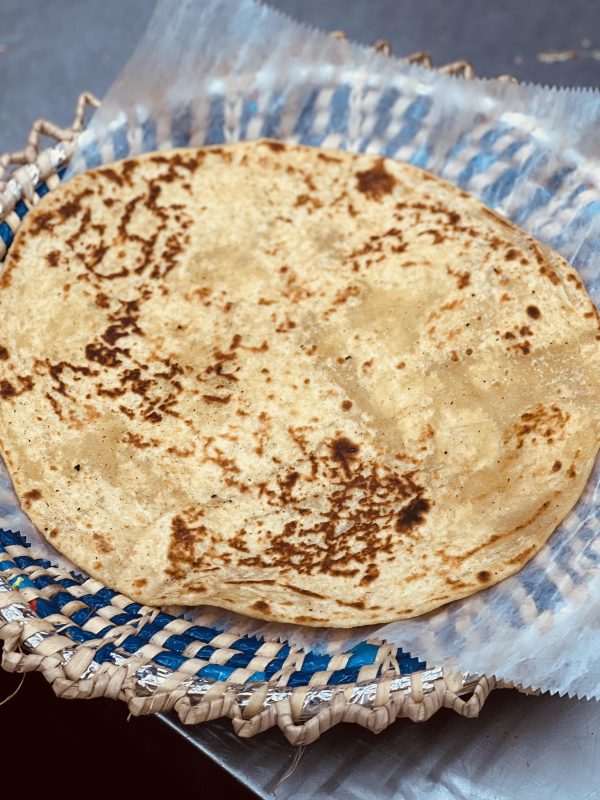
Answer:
(99, 604)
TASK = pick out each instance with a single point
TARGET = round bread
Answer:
(305, 385)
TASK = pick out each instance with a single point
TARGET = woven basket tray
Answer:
(89, 641)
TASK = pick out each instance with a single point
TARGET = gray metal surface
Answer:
(54, 50)
(520, 747)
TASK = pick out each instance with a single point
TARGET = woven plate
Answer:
(90, 641)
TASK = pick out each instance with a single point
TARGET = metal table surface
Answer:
(530, 747)
(533, 748)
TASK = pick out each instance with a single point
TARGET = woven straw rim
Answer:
(89, 641)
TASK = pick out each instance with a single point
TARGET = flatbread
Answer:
(305, 385)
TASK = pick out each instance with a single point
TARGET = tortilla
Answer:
(305, 385)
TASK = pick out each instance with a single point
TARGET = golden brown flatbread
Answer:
(306, 385)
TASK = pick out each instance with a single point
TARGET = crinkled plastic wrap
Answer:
(227, 70)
